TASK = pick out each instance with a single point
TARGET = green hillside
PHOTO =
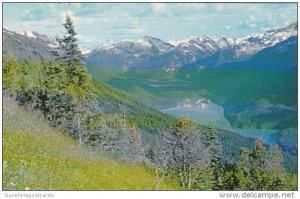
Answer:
(221, 85)
(38, 157)
(242, 93)
(64, 130)
(114, 101)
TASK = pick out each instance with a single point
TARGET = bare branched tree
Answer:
(181, 153)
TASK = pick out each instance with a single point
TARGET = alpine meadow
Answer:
(105, 106)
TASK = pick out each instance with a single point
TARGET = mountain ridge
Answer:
(189, 51)
(153, 52)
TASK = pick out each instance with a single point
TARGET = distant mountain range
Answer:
(282, 56)
(202, 51)
(30, 45)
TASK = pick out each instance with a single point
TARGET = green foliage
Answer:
(211, 141)
(78, 82)
(227, 87)
(115, 124)
(113, 101)
(262, 116)
(290, 162)
(181, 154)
(59, 89)
(71, 55)
(260, 169)
(42, 87)
(9, 71)
(286, 140)
(231, 144)
(39, 157)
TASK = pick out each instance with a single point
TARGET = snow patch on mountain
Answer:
(176, 42)
(30, 34)
(153, 52)
(143, 43)
(85, 51)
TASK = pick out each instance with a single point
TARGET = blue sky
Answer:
(98, 23)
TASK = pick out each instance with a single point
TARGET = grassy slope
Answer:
(41, 158)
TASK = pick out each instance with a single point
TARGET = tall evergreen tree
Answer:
(71, 55)
(211, 141)
(260, 169)
(70, 61)
(78, 83)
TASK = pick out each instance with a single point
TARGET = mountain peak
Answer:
(290, 28)
(150, 37)
(293, 26)
(29, 33)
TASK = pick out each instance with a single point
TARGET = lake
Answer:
(203, 111)
(268, 136)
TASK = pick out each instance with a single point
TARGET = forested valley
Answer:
(69, 123)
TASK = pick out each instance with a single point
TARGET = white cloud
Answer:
(252, 25)
(159, 7)
(135, 30)
(192, 5)
(219, 7)
(46, 24)
(252, 18)
(228, 27)
(198, 5)
(117, 21)
(87, 40)
(67, 12)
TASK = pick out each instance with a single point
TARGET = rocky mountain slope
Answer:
(202, 51)
(30, 45)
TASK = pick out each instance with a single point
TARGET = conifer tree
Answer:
(211, 142)
(70, 62)
(260, 169)
(71, 55)
(78, 83)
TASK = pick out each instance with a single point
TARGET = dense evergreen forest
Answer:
(111, 122)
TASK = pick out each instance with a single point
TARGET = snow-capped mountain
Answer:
(85, 51)
(30, 45)
(44, 38)
(203, 50)
(281, 56)
(250, 45)
(129, 53)
(142, 46)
